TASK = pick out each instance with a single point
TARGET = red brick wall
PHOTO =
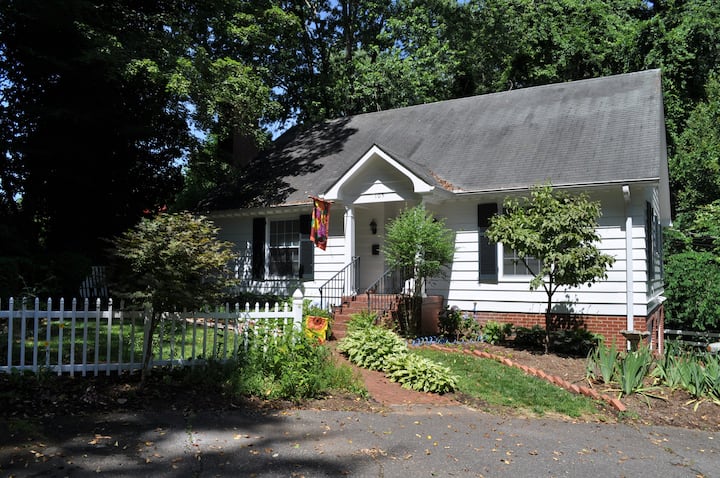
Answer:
(607, 325)
(655, 324)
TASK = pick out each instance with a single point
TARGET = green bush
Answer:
(692, 288)
(578, 342)
(530, 337)
(292, 368)
(456, 325)
(496, 332)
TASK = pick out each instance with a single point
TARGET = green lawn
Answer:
(174, 339)
(499, 385)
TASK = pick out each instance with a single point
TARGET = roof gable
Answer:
(379, 190)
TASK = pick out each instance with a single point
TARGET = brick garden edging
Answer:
(560, 382)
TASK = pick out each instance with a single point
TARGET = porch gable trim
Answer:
(419, 185)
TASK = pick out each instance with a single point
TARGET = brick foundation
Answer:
(609, 326)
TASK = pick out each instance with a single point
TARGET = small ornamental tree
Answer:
(419, 243)
(170, 262)
(560, 231)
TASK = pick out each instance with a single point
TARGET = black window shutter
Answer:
(258, 248)
(485, 212)
(649, 246)
(305, 224)
(488, 261)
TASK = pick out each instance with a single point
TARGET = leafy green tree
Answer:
(682, 38)
(695, 166)
(561, 231)
(520, 43)
(692, 288)
(418, 242)
(95, 132)
(405, 57)
(170, 262)
(692, 269)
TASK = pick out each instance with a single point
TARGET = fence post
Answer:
(297, 310)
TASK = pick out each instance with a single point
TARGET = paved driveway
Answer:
(414, 441)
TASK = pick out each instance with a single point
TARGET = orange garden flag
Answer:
(320, 222)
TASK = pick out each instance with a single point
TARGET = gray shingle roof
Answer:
(602, 130)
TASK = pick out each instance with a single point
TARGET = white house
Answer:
(461, 158)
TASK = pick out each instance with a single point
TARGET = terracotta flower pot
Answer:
(432, 306)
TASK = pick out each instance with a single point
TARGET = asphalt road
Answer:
(410, 441)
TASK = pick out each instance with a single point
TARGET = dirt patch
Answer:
(659, 406)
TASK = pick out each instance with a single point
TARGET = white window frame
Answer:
(289, 239)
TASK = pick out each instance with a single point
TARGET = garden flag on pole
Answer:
(320, 222)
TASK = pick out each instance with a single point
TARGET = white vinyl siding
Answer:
(511, 292)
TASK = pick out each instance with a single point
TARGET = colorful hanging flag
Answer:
(320, 222)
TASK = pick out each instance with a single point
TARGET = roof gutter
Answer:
(260, 211)
(597, 184)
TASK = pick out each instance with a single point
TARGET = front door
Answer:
(370, 225)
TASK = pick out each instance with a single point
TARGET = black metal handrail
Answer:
(342, 284)
(383, 295)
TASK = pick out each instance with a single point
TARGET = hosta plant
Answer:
(361, 321)
(418, 373)
(377, 348)
(370, 347)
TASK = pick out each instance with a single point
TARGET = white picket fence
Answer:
(84, 339)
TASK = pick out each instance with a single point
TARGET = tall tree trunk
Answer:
(146, 370)
(548, 321)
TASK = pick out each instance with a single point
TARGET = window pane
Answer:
(284, 246)
(285, 233)
(513, 266)
(284, 261)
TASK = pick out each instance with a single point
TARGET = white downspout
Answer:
(629, 305)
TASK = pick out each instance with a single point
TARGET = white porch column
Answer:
(349, 233)
(349, 239)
